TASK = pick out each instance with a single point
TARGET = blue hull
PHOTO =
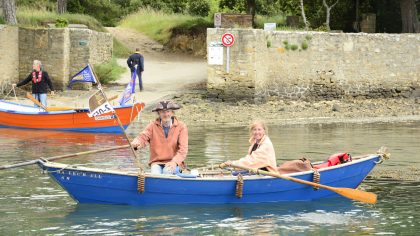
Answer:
(86, 185)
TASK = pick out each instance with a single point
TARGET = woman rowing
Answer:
(261, 153)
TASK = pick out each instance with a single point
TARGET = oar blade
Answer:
(357, 195)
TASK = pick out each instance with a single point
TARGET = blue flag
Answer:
(85, 75)
(130, 89)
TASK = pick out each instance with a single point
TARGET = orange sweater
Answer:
(264, 156)
(163, 150)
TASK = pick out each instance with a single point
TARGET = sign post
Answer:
(227, 40)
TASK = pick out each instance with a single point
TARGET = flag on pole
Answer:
(85, 75)
(99, 105)
(130, 89)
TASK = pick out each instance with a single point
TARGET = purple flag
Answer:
(130, 89)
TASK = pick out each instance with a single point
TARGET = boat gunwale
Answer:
(71, 167)
(64, 112)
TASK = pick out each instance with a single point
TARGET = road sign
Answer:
(228, 39)
(217, 20)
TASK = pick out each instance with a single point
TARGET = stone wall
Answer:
(236, 20)
(62, 51)
(315, 65)
(88, 47)
(51, 47)
(9, 57)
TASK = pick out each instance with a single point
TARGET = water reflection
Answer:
(31, 203)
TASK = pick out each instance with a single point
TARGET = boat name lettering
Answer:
(102, 111)
(78, 173)
(108, 117)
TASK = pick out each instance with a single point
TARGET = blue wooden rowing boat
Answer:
(99, 186)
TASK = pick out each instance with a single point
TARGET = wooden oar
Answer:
(26, 163)
(354, 194)
(28, 95)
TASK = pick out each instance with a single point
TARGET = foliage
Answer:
(2, 21)
(61, 22)
(294, 47)
(158, 24)
(44, 5)
(260, 20)
(199, 8)
(36, 18)
(119, 49)
(109, 72)
(107, 12)
(304, 45)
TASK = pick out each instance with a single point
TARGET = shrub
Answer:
(157, 24)
(294, 47)
(61, 23)
(199, 8)
(119, 49)
(109, 72)
(304, 45)
(36, 18)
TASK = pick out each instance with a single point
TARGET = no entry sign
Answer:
(228, 39)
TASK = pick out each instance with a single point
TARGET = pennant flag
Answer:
(98, 105)
(130, 89)
(85, 75)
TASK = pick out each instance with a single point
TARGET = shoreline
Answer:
(197, 108)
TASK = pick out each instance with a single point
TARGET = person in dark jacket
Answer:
(136, 63)
(40, 83)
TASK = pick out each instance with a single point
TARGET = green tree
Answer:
(107, 12)
(199, 7)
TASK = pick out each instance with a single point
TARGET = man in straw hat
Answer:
(168, 140)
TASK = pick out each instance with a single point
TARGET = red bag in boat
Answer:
(338, 158)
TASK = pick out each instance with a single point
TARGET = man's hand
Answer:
(171, 165)
(13, 85)
(226, 163)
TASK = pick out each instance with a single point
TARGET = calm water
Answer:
(32, 204)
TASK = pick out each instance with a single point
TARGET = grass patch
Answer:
(158, 25)
(27, 17)
(109, 72)
(120, 50)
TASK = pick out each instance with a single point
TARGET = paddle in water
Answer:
(354, 194)
(26, 163)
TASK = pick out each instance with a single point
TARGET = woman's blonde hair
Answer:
(255, 124)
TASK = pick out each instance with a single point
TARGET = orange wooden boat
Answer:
(28, 117)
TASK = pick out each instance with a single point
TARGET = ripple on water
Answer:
(31, 203)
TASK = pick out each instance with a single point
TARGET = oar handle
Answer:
(28, 95)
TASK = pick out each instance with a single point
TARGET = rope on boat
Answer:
(141, 181)
(383, 154)
(316, 178)
(132, 108)
(9, 93)
(239, 186)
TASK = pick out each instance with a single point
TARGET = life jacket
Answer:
(36, 79)
(336, 159)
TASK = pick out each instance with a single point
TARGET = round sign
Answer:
(228, 39)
